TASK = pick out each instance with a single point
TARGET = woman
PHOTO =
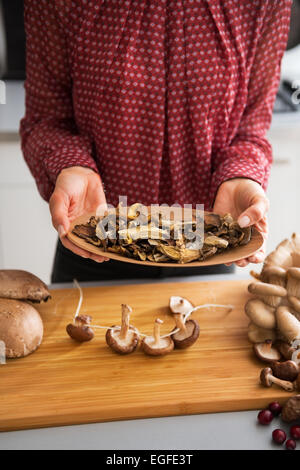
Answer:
(162, 101)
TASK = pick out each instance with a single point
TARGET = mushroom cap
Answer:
(265, 377)
(80, 333)
(293, 273)
(83, 319)
(21, 328)
(287, 324)
(297, 383)
(281, 256)
(265, 289)
(285, 349)
(287, 370)
(180, 305)
(22, 285)
(273, 275)
(80, 330)
(296, 258)
(165, 346)
(294, 302)
(291, 409)
(257, 334)
(183, 340)
(295, 240)
(275, 271)
(261, 314)
(266, 352)
(122, 346)
(293, 282)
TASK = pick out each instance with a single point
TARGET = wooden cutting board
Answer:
(64, 382)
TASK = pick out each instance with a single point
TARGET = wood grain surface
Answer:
(227, 256)
(64, 382)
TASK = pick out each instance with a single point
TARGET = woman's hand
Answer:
(246, 201)
(78, 190)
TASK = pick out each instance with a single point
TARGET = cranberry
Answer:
(290, 444)
(295, 432)
(265, 416)
(279, 436)
(275, 407)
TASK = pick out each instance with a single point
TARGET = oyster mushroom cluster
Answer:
(125, 338)
(147, 237)
(274, 313)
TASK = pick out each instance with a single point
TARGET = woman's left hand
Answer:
(246, 201)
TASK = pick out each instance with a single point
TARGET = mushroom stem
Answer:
(76, 284)
(282, 383)
(179, 320)
(156, 333)
(268, 345)
(267, 379)
(126, 310)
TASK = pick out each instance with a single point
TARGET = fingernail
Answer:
(61, 231)
(244, 221)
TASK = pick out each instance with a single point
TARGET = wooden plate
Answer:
(228, 256)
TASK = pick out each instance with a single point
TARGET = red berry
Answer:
(290, 444)
(279, 436)
(275, 407)
(295, 432)
(265, 416)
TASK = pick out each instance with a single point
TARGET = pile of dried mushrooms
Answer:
(138, 235)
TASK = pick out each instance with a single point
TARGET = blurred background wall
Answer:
(27, 239)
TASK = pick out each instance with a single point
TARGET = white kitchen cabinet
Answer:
(27, 238)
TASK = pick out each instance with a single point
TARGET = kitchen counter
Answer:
(234, 431)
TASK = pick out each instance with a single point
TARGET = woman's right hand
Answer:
(78, 190)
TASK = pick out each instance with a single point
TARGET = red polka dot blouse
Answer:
(166, 99)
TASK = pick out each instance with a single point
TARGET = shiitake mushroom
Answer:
(123, 340)
(80, 330)
(156, 345)
(188, 332)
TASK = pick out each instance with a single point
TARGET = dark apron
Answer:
(68, 266)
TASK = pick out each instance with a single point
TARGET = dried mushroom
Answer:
(160, 240)
(123, 340)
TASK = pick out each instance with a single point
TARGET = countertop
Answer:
(216, 431)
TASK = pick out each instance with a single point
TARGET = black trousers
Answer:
(68, 266)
